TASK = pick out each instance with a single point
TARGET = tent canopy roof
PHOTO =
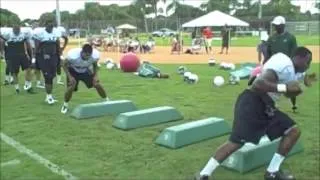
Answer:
(215, 18)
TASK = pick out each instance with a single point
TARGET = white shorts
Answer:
(208, 42)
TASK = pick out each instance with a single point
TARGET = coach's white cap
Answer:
(279, 20)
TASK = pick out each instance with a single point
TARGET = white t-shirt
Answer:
(80, 65)
(5, 31)
(43, 36)
(62, 31)
(9, 36)
(284, 68)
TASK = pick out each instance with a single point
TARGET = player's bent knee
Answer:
(72, 85)
(294, 130)
(96, 85)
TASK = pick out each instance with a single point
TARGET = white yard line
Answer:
(51, 166)
(11, 163)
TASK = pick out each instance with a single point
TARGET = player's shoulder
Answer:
(95, 54)
(74, 53)
(279, 62)
(38, 30)
(5, 31)
(60, 31)
(289, 35)
(27, 31)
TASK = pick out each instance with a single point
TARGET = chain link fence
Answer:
(149, 25)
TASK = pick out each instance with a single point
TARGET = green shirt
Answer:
(285, 43)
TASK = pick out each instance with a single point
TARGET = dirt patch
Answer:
(162, 55)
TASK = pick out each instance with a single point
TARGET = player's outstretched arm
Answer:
(66, 40)
(268, 82)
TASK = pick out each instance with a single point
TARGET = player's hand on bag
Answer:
(309, 79)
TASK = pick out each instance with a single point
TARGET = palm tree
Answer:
(174, 6)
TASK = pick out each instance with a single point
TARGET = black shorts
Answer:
(38, 58)
(225, 43)
(255, 116)
(59, 61)
(16, 61)
(48, 66)
(86, 77)
(6, 54)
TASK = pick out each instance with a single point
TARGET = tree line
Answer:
(136, 12)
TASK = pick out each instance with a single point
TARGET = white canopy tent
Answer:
(126, 26)
(215, 18)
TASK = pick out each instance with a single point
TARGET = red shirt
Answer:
(207, 33)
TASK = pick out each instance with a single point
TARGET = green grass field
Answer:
(237, 41)
(93, 149)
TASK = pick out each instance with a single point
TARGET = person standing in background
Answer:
(207, 35)
(262, 48)
(281, 41)
(225, 34)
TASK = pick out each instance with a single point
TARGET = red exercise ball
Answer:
(129, 62)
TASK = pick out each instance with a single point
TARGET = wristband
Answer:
(282, 88)
(33, 60)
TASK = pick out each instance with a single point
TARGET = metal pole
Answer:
(259, 16)
(58, 18)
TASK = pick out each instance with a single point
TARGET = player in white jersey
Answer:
(48, 46)
(81, 65)
(255, 113)
(3, 54)
(36, 59)
(16, 54)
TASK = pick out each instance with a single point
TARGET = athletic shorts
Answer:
(6, 54)
(59, 61)
(48, 66)
(208, 42)
(15, 61)
(254, 116)
(86, 78)
(38, 58)
(225, 43)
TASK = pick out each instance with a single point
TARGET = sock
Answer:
(65, 104)
(58, 78)
(275, 163)
(16, 86)
(49, 96)
(28, 84)
(107, 99)
(210, 167)
(7, 78)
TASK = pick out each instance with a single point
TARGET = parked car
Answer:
(164, 32)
